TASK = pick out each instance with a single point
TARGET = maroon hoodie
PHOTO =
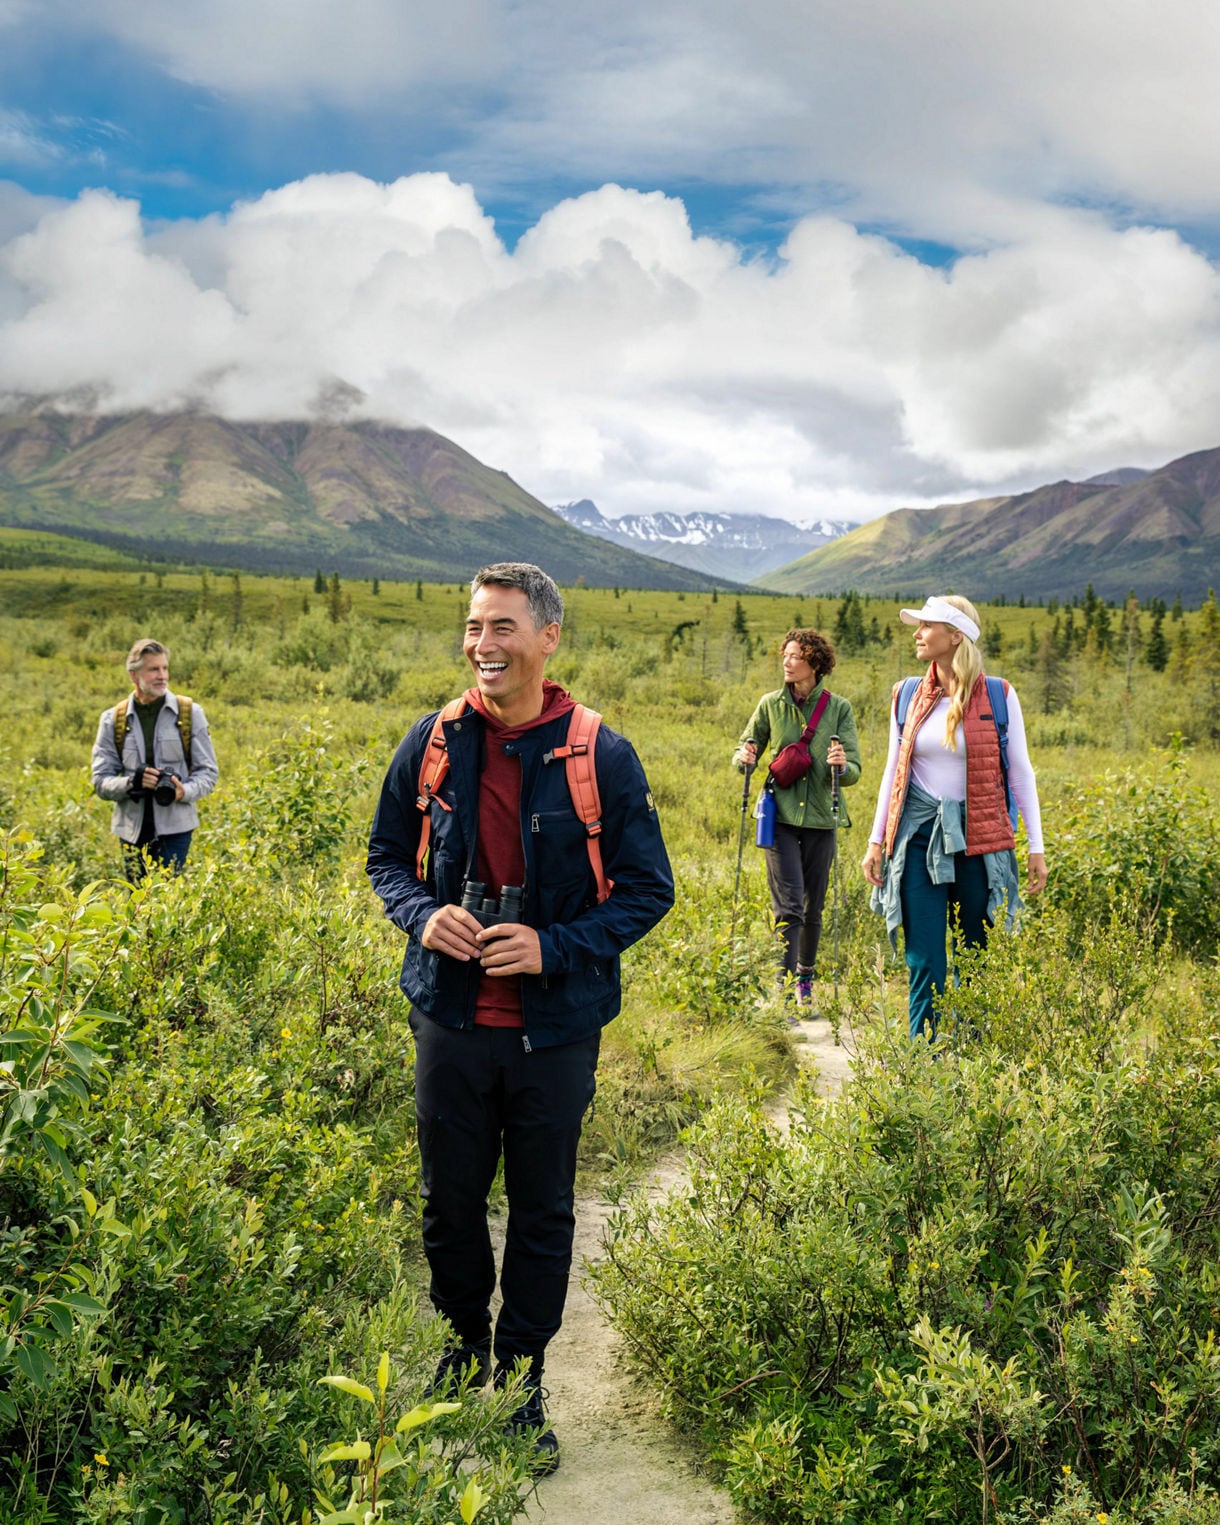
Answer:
(500, 858)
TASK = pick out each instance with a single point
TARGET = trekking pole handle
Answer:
(749, 769)
(835, 769)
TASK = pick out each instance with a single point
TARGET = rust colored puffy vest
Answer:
(988, 828)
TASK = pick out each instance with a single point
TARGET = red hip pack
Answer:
(791, 763)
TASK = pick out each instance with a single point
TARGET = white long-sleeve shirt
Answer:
(942, 773)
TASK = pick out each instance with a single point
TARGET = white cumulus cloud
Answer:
(615, 354)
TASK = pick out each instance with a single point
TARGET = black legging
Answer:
(798, 871)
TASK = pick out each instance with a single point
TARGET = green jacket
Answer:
(778, 721)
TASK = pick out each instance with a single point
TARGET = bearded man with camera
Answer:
(153, 757)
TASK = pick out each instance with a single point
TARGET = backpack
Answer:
(577, 754)
(124, 719)
(997, 692)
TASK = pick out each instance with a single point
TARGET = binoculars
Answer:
(487, 909)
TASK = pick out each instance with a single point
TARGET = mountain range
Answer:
(1155, 531)
(375, 500)
(364, 499)
(741, 547)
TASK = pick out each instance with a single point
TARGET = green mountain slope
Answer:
(1159, 535)
(364, 499)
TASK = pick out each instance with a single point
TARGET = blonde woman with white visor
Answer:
(942, 848)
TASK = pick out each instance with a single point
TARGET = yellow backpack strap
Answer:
(186, 714)
(123, 720)
(433, 771)
(578, 760)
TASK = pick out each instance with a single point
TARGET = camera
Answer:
(163, 791)
(166, 792)
(486, 908)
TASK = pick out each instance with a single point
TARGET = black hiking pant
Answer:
(480, 1095)
(798, 871)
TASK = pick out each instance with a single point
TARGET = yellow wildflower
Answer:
(100, 1458)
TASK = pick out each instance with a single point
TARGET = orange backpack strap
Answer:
(578, 762)
(432, 774)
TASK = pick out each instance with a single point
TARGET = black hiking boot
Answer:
(529, 1419)
(469, 1362)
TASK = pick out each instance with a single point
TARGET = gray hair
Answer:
(544, 598)
(144, 648)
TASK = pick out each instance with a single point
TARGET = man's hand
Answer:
(1037, 873)
(510, 948)
(453, 931)
(151, 777)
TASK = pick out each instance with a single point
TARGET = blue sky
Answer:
(803, 257)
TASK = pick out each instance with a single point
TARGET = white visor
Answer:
(941, 612)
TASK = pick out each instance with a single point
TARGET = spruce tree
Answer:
(1102, 628)
(1052, 680)
(1205, 661)
(849, 631)
(1156, 652)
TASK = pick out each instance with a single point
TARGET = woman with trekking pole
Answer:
(942, 851)
(812, 735)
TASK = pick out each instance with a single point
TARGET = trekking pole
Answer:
(834, 818)
(741, 837)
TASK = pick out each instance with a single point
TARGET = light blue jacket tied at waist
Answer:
(948, 837)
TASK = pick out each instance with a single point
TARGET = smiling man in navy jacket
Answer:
(507, 1018)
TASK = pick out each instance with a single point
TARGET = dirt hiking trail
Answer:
(621, 1463)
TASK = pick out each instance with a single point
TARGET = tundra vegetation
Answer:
(984, 1283)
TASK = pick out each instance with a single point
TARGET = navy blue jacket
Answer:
(579, 988)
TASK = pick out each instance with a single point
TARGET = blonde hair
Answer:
(967, 669)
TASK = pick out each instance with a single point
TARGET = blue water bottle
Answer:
(764, 816)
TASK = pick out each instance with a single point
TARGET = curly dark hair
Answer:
(815, 648)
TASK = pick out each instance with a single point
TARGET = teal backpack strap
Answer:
(902, 701)
(997, 693)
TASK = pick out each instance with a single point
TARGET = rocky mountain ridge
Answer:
(1155, 531)
(742, 547)
(362, 498)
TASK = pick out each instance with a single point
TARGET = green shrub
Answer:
(1148, 843)
(297, 803)
(989, 1259)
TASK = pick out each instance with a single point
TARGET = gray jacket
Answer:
(112, 773)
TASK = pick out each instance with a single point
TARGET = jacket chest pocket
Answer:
(557, 842)
(169, 752)
(561, 870)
